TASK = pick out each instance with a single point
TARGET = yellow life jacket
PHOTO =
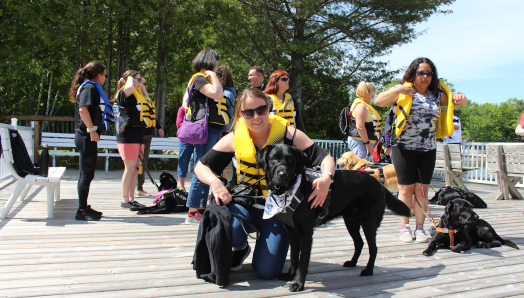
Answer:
(445, 121)
(134, 116)
(402, 112)
(217, 114)
(245, 151)
(374, 112)
(284, 109)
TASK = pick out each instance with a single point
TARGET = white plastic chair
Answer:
(52, 182)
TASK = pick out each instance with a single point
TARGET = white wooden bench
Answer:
(508, 162)
(63, 141)
(52, 182)
(449, 160)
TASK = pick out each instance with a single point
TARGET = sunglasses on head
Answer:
(249, 113)
(284, 79)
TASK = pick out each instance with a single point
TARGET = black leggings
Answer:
(88, 154)
(408, 162)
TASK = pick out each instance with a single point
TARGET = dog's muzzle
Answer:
(280, 175)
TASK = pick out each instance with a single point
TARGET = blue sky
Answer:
(479, 48)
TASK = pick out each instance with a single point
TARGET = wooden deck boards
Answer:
(127, 255)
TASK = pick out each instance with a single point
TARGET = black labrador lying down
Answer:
(358, 197)
(449, 193)
(460, 227)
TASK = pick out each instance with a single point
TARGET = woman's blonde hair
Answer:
(365, 88)
(248, 92)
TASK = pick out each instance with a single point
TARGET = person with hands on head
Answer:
(207, 87)
(255, 128)
(148, 137)
(90, 102)
(367, 120)
(414, 150)
(131, 98)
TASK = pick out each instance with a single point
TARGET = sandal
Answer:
(141, 193)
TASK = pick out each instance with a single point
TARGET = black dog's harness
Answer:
(286, 215)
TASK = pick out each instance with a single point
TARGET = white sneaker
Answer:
(193, 220)
(420, 236)
(405, 234)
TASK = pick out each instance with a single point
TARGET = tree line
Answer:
(327, 46)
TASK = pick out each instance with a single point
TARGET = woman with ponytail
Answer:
(130, 97)
(95, 114)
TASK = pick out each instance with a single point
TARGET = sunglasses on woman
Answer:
(284, 79)
(249, 113)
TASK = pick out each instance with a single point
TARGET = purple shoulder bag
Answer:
(193, 132)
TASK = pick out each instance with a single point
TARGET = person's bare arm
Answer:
(519, 130)
(320, 185)
(458, 100)
(128, 88)
(86, 118)
(204, 173)
(389, 97)
(213, 90)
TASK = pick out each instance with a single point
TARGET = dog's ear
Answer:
(449, 210)
(261, 155)
(301, 160)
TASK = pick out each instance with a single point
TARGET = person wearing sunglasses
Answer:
(414, 151)
(282, 104)
(87, 95)
(130, 97)
(255, 128)
(148, 137)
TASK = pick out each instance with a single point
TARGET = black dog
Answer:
(463, 224)
(358, 197)
(167, 182)
(449, 193)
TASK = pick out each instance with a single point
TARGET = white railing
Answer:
(27, 136)
(473, 155)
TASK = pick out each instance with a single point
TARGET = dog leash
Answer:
(430, 217)
(144, 166)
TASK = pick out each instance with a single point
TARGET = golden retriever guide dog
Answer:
(350, 161)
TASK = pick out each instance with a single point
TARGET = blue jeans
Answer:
(357, 146)
(198, 191)
(271, 247)
(184, 157)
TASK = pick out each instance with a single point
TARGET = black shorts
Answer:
(408, 163)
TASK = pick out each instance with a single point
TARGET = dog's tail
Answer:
(509, 243)
(394, 204)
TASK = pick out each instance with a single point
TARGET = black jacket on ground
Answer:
(213, 249)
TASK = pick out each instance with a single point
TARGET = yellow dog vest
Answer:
(245, 151)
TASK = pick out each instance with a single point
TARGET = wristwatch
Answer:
(94, 128)
(330, 175)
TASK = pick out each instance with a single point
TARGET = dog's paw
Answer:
(366, 272)
(296, 287)
(286, 276)
(427, 253)
(456, 248)
(350, 263)
(482, 244)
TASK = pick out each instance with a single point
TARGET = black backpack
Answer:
(346, 123)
